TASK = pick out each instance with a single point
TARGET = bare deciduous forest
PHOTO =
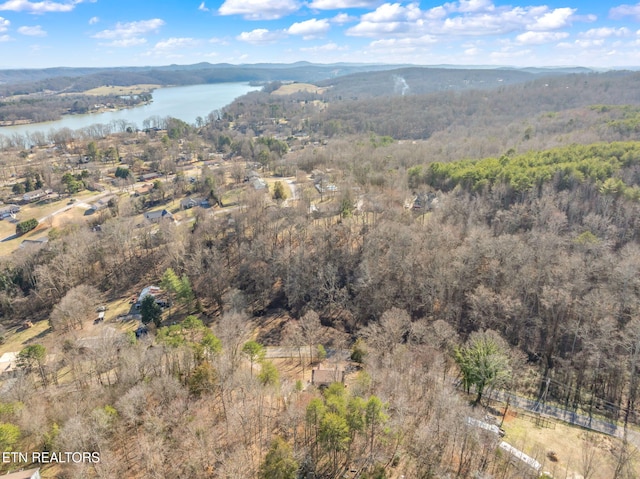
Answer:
(424, 231)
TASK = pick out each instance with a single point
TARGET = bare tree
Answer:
(75, 308)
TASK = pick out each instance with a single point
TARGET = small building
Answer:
(26, 474)
(34, 242)
(323, 378)
(158, 215)
(8, 211)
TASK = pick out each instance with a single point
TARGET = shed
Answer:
(325, 377)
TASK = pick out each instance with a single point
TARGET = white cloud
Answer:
(605, 32)
(39, 7)
(259, 9)
(310, 28)
(471, 6)
(35, 31)
(4, 24)
(218, 41)
(342, 18)
(203, 8)
(175, 43)
(590, 43)
(389, 12)
(5, 38)
(259, 36)
(340, 4)
(553, 20)
(539, 38)
(404, 43)
(130, 33)
(94, 20)
(469, 18)
(173, 47)
(328, 47)
(127, 42)
(625, 11)
(389, 19)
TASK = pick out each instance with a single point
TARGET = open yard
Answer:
(565, 451)
(122, 90)
(296, 87)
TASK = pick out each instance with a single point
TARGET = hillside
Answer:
(311, 284)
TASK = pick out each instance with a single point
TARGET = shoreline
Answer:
(10, 123)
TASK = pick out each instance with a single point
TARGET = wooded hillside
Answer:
(420, 232)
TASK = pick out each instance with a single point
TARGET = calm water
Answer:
(185, 103)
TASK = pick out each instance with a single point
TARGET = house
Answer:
(8, 211)
(251, 175)
(158, 215)
(258, 183)
(34, 195)
(27, 474)
(143, 190)
(427, 201)
(323, 187)
(8, 363)
(323, 378)
(102, 203)
(157, 293)
(192, 201)
(150, 176)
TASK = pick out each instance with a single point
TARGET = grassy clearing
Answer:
(573, 446)
(18, 338)
(297, 87)
(122, 90)
(231, 197)
(75, 214)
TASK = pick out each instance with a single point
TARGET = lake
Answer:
(185, 103)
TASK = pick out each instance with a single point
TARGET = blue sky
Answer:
(47, 33)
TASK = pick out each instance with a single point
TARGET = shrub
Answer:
(26, 226)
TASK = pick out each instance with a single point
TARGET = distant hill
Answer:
(79, 79)
(420, 79)
(423, 80)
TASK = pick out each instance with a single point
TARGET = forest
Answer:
(39, 108)
(526, 246)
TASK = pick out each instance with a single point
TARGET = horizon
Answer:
(320, 64)
(473, 33)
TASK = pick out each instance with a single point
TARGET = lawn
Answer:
(296, 87)
(563, 450)
(122, 90)
(72, 215)
(231, 197)
(17, 338)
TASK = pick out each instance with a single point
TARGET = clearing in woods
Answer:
(564, 450)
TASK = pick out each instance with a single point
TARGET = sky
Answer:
(101, 33)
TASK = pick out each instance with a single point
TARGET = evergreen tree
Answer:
(150, 311)
(279, 462)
